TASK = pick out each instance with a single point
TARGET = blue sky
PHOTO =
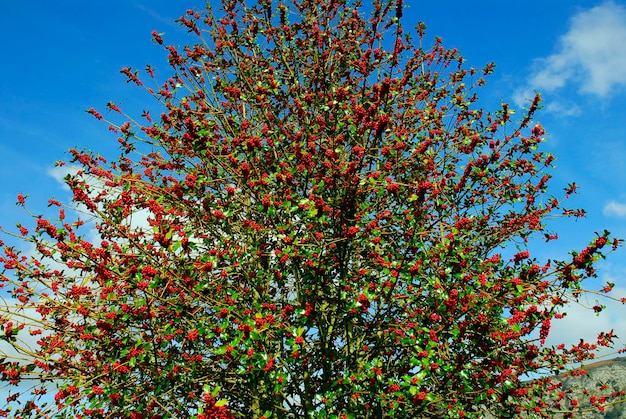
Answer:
(60, 58)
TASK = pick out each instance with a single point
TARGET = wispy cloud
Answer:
(59, 173)
(580, 322)
(157, 16)
(614, 209)
(590, 57)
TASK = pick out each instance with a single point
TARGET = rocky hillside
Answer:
(609, 375)
(602, 378)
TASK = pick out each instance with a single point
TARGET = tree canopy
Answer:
(321, 223)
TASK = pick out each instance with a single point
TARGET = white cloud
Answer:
(581, 323)
(614, 209)
(137, 220)
(58, 173)
(590, 57)
(563, 108)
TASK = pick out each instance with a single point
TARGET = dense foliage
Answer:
(321, 223)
